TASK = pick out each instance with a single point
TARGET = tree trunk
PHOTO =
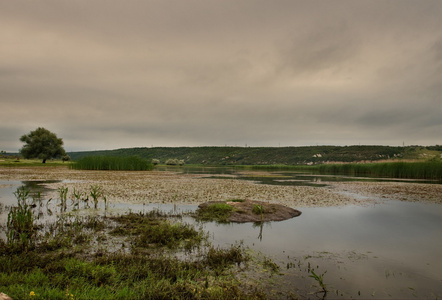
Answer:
(44, 160)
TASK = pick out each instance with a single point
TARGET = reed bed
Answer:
(406, 170)
(114, 163)
(431, 170)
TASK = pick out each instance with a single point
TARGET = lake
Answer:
(389, 250)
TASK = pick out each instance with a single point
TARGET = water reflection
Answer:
(261, 226)
(385, 248)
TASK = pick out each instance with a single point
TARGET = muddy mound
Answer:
(241, 211)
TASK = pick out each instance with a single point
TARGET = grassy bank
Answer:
(115, 163)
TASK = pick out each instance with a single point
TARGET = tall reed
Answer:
(431, 170)
(115, 163)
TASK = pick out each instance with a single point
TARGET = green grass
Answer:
(119, 276)
(115, 163)
(14, 162)
(218, 212)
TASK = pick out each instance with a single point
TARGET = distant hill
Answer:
(273, 155)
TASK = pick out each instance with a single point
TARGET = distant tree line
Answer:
(270, 155)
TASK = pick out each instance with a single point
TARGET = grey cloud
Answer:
(321, 49)
(109, 74)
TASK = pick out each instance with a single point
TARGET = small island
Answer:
(242, 211)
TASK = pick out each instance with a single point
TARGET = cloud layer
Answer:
(106, 74)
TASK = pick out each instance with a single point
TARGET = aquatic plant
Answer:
(220, 258)
(96, 192)
(76, 198)
(269, 263)
(20, 224)
(63, 192)
(151, 230)
(320, 280)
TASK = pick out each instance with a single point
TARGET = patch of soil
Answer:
(244, 211)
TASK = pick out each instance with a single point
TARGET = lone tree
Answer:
(42, 144)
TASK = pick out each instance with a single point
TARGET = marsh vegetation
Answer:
(115, 163)
(431, 170)
(149, 255)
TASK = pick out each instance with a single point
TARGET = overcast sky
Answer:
(139, 73)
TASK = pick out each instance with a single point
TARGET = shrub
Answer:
(174, 162)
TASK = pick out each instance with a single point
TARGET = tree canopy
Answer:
(42, 144)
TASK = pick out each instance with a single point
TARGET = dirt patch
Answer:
(252, 211)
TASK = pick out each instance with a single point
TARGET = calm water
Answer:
(280, 177)
(391, 250)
